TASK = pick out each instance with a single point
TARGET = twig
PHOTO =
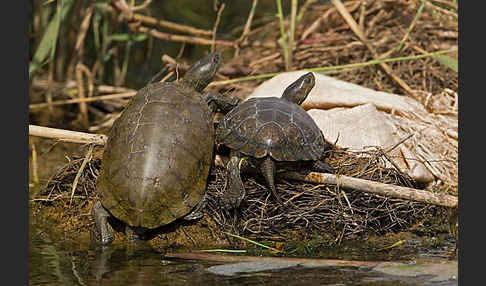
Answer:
(215, 27)
(184, 39)
(90, 99)
(242, 40)
(67, 135)
(367, 186)
(80, 171)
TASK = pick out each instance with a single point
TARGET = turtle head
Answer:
(297, 91)
(200, 74)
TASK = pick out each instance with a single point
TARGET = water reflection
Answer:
(69, 263)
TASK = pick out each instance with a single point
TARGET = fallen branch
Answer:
(368, 186)
(67, 135)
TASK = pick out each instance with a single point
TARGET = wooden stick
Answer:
(367, 186)
(67, 135)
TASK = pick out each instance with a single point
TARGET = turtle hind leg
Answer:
(234, 190)
(197, 212)
(268, 170)
(102, 231)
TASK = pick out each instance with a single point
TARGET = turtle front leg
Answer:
(268, 170)
(235, 190)
(223, 103)
(102, 231)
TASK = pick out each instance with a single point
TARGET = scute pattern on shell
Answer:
(272, 126)
(157, 158)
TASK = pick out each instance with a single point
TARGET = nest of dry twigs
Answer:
(314, 209)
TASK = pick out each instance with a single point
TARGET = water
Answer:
(66, 262)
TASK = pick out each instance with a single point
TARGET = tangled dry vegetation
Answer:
(316, 209)
(323, 38)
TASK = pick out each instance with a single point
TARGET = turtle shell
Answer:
(272, 126)
(157, 158)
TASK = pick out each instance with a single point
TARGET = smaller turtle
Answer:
(271, 132)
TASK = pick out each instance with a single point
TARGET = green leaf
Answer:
(47, 45)
(120, 37)
(449, 62)
(128, 37)
(140, 37)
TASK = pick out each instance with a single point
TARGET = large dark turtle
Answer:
(270, 131)
(158, 155)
